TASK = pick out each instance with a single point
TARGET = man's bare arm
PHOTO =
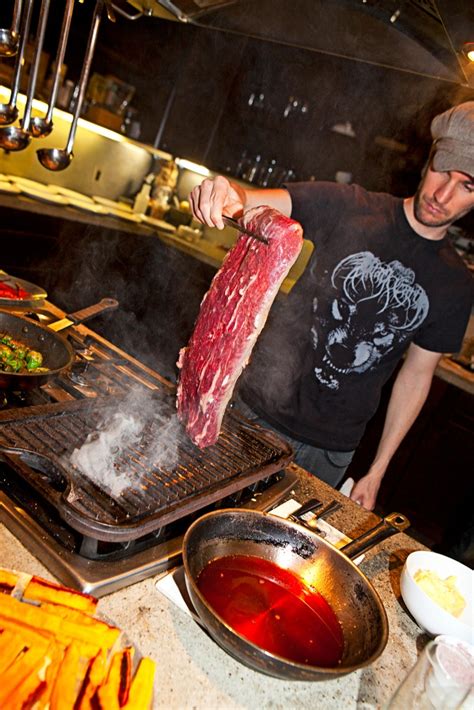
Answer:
(217, 196)
(409, 393)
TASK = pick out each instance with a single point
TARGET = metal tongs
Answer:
(231, 222)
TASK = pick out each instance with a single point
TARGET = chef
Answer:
(383, 283)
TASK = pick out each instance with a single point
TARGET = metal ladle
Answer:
(56, 159)
(42, 126)
(16, 138)
(9, 39)
(109, 8)
(9, 111)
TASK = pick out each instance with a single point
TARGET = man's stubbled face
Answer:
(443, 197)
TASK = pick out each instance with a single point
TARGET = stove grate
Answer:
(38, 442)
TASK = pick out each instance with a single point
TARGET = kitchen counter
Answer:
(203, 249)
(73, 214)
(193, 671)
(455, 374)
(452, 372)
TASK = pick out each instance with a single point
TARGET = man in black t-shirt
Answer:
(383, 281)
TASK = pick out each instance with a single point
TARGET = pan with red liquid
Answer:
(281, 599)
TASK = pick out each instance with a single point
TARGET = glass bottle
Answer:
(441, 679)
(253, 171)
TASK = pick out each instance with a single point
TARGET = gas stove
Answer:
(89, 536)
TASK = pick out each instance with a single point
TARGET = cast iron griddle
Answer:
(37, 443)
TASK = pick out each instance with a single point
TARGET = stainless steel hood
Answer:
(422, 36)
(183, 10)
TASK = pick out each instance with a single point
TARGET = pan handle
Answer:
(46, 476)
(308, 507)
(106, 304)
(388, 526)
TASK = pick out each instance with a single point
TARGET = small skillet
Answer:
(58, 354)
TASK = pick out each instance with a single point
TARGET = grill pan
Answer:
(37, 443)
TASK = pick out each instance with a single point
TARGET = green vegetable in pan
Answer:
(34, 359)
(15, 356)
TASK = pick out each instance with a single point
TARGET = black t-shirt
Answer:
(372, 286)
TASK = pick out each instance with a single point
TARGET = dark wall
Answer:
(438, 446)
(206, 78)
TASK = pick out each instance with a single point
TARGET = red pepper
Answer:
(16, 292)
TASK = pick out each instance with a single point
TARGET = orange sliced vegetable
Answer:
(34, 637)
(66, 612)
(28, 694)
(29, 663)
(95, 675)
(8, 580)
(41, 590)
(56, 652)
(141, 689)
(11, 645)
(106, 699)
(70, 673)
(55, 655)
(117, 686)
(98, 632)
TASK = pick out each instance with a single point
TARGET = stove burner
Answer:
(63, 551)
(88, 538)
(91, 548)
(78, 372)
(38, 443)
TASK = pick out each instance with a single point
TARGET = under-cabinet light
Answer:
(468, 50)
(188, 165)
(42, 108)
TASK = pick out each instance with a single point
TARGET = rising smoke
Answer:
(143, 429)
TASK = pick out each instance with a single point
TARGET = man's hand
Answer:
(215, 197)
(365, 491)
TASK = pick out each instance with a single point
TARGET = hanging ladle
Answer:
(42, 126)
(59, 158)
(18, 137)
(9, 111)
(9, 39)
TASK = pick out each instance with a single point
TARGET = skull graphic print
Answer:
(374, 306)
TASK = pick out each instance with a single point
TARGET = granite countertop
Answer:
(194, 672)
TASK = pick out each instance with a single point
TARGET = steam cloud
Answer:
(143, 428)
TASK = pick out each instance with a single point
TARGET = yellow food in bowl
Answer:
(443, 592)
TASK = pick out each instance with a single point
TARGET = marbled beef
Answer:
(232, 314)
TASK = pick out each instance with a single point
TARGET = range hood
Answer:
(183, 10)
(420, 36)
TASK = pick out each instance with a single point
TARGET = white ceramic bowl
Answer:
(427, 613)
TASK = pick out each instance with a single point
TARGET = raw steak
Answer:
(233, 312)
